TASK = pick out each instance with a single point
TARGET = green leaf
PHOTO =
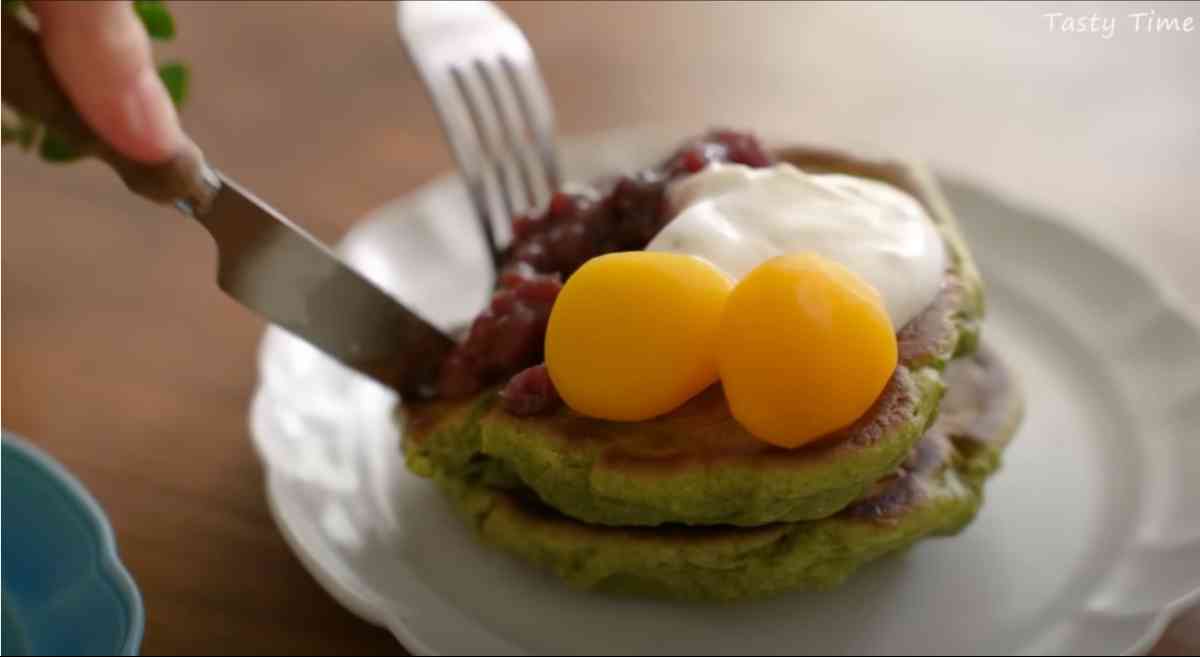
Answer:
(175, 76)
(18, 8)
(9, 134)
(56, 149)
(19, 129)
(156, 18)
(28, 133)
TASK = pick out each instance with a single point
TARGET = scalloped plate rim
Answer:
(115, 573)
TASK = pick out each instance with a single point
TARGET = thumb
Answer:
(101, 55)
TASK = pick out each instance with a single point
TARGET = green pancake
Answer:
(937, 491)
(697, 465)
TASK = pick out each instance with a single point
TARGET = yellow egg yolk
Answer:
(805, 347)
(633, 335)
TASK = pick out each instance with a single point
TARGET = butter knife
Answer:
(265, 262)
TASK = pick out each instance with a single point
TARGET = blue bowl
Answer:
(65, 591)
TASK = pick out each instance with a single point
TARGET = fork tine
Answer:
(512, 135)
(476, 184)
(490, 116)
(497, 138)
(535, 108)
(483, 121)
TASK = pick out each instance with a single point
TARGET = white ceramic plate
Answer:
(1088, 542)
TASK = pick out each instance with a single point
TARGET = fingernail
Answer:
(151, 118)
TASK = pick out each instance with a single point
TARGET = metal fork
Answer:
(493, 105)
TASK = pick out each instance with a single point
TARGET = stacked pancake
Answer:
(690, 505)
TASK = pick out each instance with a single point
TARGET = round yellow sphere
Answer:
(805, 348)
(633, 335)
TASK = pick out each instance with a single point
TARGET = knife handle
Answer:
(30, 88)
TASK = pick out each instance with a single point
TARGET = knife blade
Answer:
(274, 267)
(266, 262)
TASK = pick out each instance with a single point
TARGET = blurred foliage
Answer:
(175, 76)
(156, 18)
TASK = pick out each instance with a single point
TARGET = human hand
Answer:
(101, 56)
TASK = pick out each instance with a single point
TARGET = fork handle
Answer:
(30, 87)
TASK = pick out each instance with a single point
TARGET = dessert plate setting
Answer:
(1088, 541)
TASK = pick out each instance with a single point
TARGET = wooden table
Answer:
(124, 361)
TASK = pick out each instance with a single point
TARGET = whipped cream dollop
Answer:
(736, 217)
